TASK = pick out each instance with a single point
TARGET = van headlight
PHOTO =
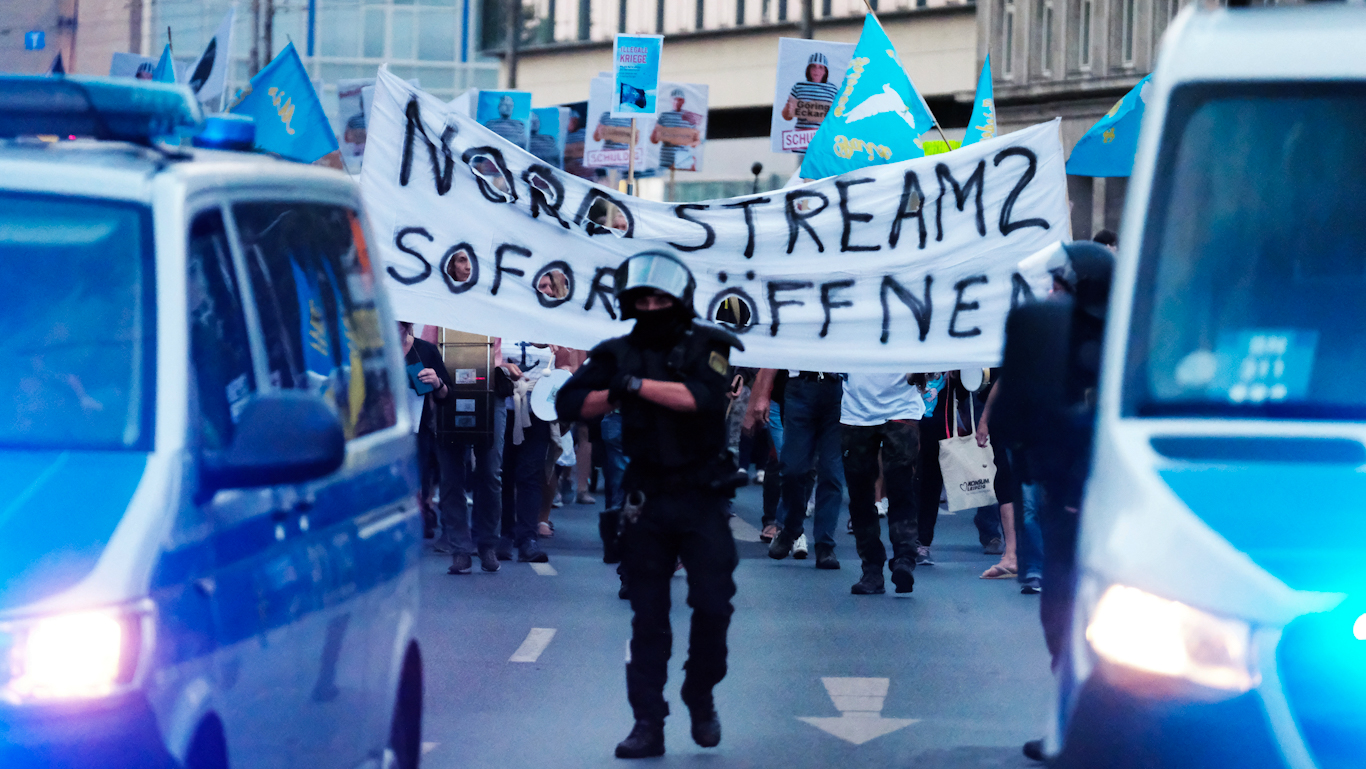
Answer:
(1142, 631)
(73, 656)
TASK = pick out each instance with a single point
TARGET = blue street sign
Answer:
(35, 40)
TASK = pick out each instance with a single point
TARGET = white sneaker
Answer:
(882, 507)
(759, 476)
(799, 550)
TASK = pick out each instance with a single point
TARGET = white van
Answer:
(208, 531)
(1220, 618)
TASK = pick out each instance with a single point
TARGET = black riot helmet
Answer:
(1090, 268)
(651, 271)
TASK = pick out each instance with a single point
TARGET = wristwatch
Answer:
(633, 385)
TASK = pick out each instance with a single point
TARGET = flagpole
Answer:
(923, 103)
(631, 162)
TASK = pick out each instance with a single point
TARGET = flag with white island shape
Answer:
(878, 116)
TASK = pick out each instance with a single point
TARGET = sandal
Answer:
(999, 572)
(544, 529)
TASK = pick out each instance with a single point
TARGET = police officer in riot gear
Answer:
(669, 377)
(1051, 376)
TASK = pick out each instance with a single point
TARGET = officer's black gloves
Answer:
(622, 385)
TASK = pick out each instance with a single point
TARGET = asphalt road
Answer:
(525, 667)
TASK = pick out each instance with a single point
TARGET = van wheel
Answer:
(209, 748)
(405, 735)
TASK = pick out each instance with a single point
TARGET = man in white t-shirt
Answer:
(880, 413)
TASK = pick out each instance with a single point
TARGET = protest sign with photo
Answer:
(635, 74)
(809, 76)
(506, 113)
(575, 133)
(132, 65)
(548, 127)
(351, 110)
(908, 266)
(681, 126)
(607, 138)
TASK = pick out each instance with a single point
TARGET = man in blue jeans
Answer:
(811, 438)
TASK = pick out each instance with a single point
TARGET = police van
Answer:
(208, 532)
(1220, 615)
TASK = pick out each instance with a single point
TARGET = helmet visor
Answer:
(657, 271)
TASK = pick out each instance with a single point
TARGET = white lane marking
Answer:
(544, 569)
(628, 652)
(742, 530)
(428, 747)
(859, 701)
(387, 522)
(535, 643)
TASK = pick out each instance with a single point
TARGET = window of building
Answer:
(1008, 59)
(1084, 35)
(1047, 37)
(1130, 21)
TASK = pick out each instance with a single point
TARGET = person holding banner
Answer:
(670, 378)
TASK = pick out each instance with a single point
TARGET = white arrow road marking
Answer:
(428, 747)
(535, 643)
(859, 701)
(742, 530)
(544, 569)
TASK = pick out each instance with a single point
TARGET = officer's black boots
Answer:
(706, 728)
(607, 529)
(781, 546)
(706, 725)
(871, 583)
(825, 557)
(646, 740)
(903, 576)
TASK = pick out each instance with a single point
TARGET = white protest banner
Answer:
(607, 138)
(681, 126)
(809, 75)
(902, 267)
(209, 75)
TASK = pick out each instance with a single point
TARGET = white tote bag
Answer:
(969, 470)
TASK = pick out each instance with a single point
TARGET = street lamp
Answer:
(756, 169)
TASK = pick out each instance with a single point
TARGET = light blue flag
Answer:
(165, 71)
(1108, 149)
(983, 122)
(289, 118)
(878, 116)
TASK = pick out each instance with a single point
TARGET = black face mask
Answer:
(660, 329)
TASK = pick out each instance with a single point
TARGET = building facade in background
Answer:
(431, 40)
(732, 46)
(33, 32)
(1071, 59)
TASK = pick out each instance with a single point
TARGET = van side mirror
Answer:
(280, 437)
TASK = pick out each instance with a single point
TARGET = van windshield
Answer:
(1251, 298)
(78, 338)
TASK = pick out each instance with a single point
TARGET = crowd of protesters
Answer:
(808, 437)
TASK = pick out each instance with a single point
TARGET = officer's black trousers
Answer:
(691, 526)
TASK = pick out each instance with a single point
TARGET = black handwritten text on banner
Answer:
(905, 267)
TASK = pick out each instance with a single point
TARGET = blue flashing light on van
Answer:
(208, 539)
